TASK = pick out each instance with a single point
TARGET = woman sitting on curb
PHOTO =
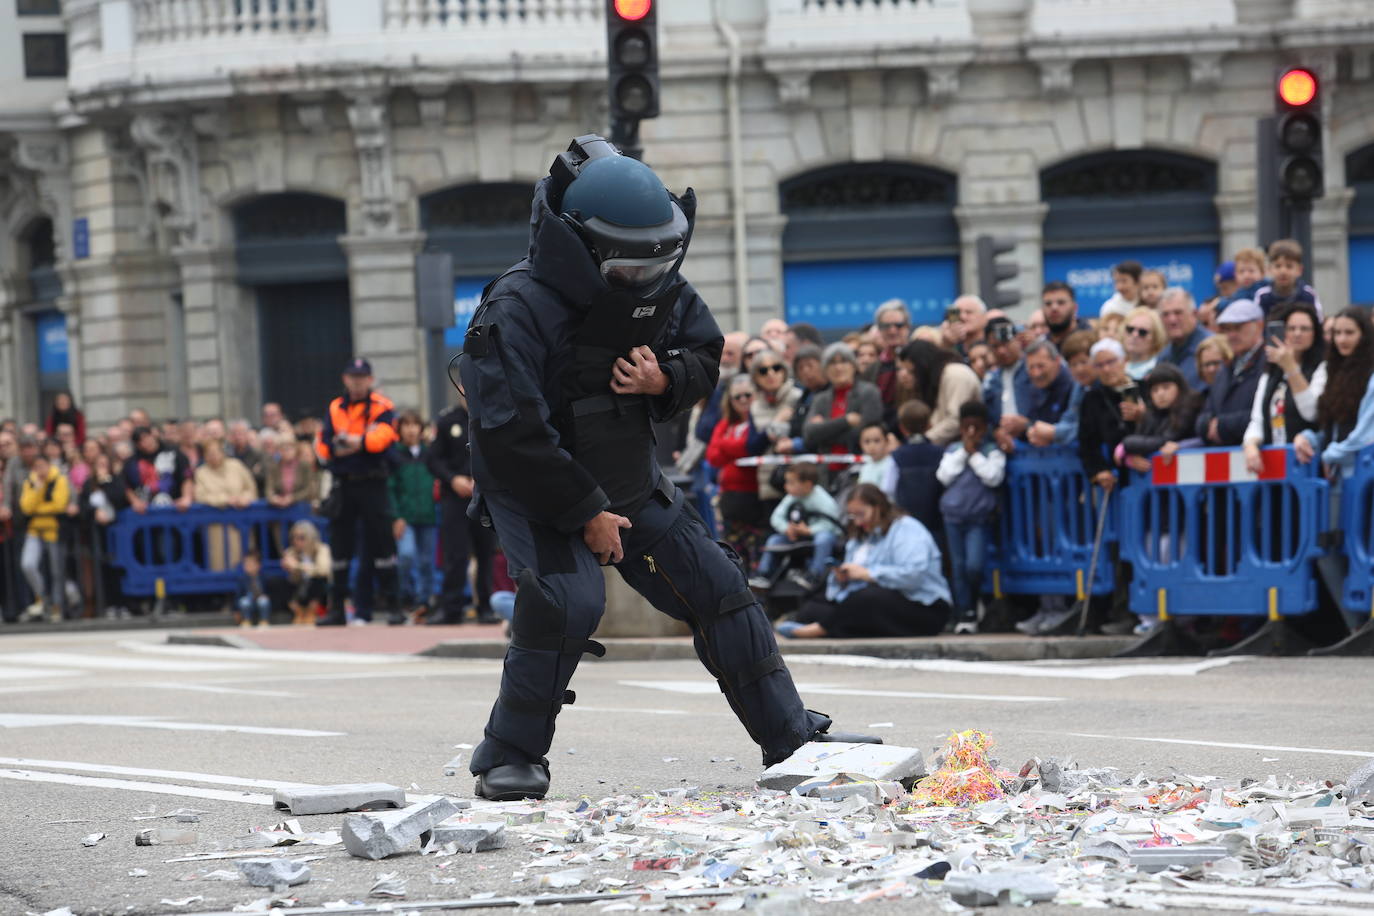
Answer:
(889, 584)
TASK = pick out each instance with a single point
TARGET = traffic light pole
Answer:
(625, 135)
(1298, 226)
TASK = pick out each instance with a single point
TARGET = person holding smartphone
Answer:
(1110, 410)
(1286, 400)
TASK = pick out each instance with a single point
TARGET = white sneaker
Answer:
(1144, 627)
(357, 622)
(1031, 625)
(966, 628)
(33, 611)
(760, 582)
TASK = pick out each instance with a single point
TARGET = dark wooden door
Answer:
(306, 335)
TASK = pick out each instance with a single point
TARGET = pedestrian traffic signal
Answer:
(632, 59)
(992, 271)
(1298, 132)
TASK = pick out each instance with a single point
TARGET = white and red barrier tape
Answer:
(1216, 467)
(769, 461)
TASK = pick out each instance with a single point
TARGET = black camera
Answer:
(1001, 332)
(953, 314)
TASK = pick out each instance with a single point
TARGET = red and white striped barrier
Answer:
(773, 460)
(1216, 467)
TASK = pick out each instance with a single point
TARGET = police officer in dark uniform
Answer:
(572, 355)
(459, 535)
(358, 429)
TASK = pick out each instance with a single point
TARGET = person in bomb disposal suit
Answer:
(353, 440)
(571, 356)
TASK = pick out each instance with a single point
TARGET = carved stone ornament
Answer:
(794, 88)
(942, 82)
(367, 114)
(44, 156)
(168, 142)
(1056, 77)
(127, 161)
(1204, 70)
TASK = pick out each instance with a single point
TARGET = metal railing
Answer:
(169, 21)
(451, 15)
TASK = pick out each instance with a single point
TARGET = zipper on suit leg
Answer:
(712, 665)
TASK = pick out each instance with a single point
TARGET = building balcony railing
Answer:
(158, 44)
(803, 24)
(1073, 18)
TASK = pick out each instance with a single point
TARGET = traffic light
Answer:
(1298, 136)
(992, 271)
(632, 59)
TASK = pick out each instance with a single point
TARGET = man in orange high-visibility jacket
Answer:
(358, 430)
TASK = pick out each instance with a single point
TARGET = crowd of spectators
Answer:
(63, 484)
(929, 414)
(882, 452)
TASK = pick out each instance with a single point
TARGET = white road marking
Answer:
(116, 662)
(707, 687)
(1243, 747)
(267, 655)
(1090, 672)
(188, 776)
(210, 688)
(353, 675)
(16, 674)
(136, 786)
(26, 720)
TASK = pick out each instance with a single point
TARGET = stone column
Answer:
(1239, 221)
(1023, 222)
(381, 272)
(221, 347)
(1330, 254)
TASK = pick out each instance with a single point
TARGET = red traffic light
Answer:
(633, 10)
(1297, 87)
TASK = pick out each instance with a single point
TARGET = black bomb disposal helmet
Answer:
(636, 231)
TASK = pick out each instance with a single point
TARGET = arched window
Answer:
(485, 228)
(1359, 174)
(1150, 206)
(291, 237)
(860, 233)
(41, 253)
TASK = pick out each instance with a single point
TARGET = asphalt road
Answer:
(231, 724)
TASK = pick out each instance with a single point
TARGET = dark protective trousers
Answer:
(363, 500)
(671, 561)
(461, 537)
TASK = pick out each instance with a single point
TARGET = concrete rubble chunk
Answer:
(376, 836)
(338, 799)
(998, 888)
(1360, 786)
(823, 760)
(274, 872)
(471, 837)
(845, 785)
(1158, 858)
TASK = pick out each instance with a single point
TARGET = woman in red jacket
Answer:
(733, 438)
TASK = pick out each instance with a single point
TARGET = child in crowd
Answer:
(912, 479)
(43, 500)
(877, 465)
(308, 563)
(1285, 287)
(1152, 285)
(251, 602)
(972, 469)
(806, 512)
(417, 523)
(1126, 279)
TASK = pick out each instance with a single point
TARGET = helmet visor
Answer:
(637, 273)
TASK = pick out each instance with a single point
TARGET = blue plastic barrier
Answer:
(1357, 522)
(192, 552)
(1208, 537)
(1046, 528)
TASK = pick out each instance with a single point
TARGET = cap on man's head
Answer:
(358, 366)
(1227, 271)
(1240, 311)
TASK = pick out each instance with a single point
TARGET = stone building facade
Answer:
(222, 197)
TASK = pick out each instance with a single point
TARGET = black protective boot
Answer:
(845, 738)
(514, 782)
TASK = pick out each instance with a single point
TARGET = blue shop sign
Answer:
(1362, 270)
(1089, 271)
(50, 329)
(467, 295)
(842, 295)
(81, 238)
